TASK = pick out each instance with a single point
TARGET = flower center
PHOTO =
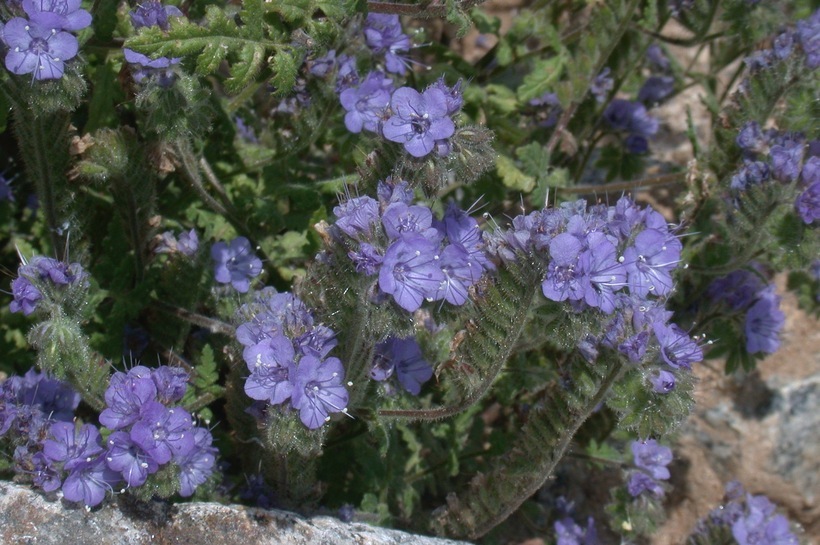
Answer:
(38, 46)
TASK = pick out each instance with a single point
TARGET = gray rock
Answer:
(797, 448)
(27, 517)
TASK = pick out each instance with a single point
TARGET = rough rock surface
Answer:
(27, 517)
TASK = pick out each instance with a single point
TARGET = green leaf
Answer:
(512, 176)
(543, 76)
(285, 68)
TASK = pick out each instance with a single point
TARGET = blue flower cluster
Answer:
(44, 276)
(618, 259)
(286, 354)
(401, 358)
(421, 122)
(744, 291)
(806, 34)
(416, 257)
(148, 14)
(753, 519)
(651, 460)
(41, 43)
(148, 431)
(784, 157)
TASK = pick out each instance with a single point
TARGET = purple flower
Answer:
(318, 390)
(567, 532)
(346, 75)
(750, 138)
(783, 45)
(128, 459)
(662, 381)
(357, 216)
(758, 524)
(752, 173)
(367, 259)
(399, 218)
(634, 347)
(390, 191)
(270, 362)
(650, 262)
(72, 17)
(453, 95)
(568, 271)
(366, 104)
(404, 357)
(320, 66)
(188, 243)
(235, 264)
(52, 397)
(196, 467)
(88, 482)
(125, 397)
(808, 34)
(631, 117)
(678, 349)
(383, 34)
(652, 458)
(70, 445)
(656, 89)
(764, 320)
(145, 67)
(606, 274)
(171, 383)
(738, 289)
(163, 433)
(153, 13)
(460, 272)
(39, 46)
(419, 119)
(808, 203)
(811, 171)
(26, 296)
(601, 85)
(786, 160)
(410, 271)
(639, 482)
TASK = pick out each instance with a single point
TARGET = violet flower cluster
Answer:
(29, 405)
(753, 520)
(149, 431)
(651, 460)
(44, 277)
(235, 263)
(148, 14)
(403, 359)
(617, 259)
(805, 36)
(743, 291)
(784, 157)
(40, 42)
(415, 256)
(421, 122)
(286, 353)
(660, 85)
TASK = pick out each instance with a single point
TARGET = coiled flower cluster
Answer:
(286, 354)
(416, 256)
(149, 430)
